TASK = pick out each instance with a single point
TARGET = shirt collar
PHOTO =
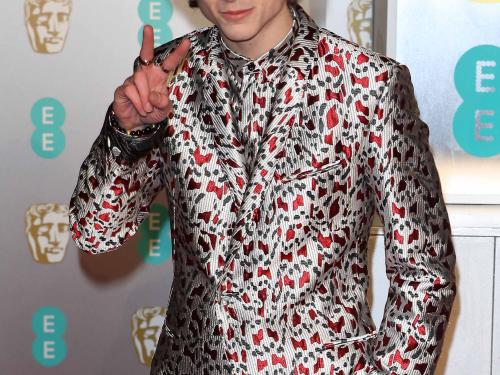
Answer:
(270, 62)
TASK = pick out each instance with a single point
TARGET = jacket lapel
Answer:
(285, 114)
(216, 117)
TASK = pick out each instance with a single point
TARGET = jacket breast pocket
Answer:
(310, 172)
(310, 205)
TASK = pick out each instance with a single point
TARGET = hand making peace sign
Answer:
(142, 99)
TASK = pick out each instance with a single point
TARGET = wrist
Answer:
(130, 147)
(137, 131)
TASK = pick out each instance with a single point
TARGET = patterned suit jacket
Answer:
(270, 268)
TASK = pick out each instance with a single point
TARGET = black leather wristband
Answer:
(129, 147)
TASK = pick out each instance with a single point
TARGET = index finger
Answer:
(147, 48)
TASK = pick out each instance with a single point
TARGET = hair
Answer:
(194, 3)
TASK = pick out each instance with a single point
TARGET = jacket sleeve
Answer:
(113, 195)
(419, 252)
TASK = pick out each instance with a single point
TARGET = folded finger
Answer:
(142, 85)
(132, 94)
(159, 100)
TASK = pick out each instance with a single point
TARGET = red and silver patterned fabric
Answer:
(270, 263)
(253, 85)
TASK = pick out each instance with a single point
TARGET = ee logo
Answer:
(48, 116)
(156, 13)
(476, 125)
(49, 325)
(155, 243)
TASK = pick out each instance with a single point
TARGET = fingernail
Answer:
(149, 107)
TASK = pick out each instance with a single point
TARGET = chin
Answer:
(238, 34)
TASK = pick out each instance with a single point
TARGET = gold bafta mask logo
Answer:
(47, 229)
(359, 20)
(146, 328)
(47, 22)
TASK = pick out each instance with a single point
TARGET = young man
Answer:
(277, 141)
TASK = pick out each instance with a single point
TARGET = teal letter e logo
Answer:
(476, 125)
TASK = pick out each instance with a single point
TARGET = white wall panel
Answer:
(495, 365)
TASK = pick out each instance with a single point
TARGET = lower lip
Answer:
(236, 15)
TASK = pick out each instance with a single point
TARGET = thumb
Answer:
(159, 100)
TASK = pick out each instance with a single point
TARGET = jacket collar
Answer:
(210, 54)
(264, 68)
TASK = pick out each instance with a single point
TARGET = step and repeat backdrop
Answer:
(64, 311)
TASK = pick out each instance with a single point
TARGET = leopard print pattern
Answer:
(270, 264)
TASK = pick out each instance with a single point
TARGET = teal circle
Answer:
(479, 94)
(155, 243)
(465, 132)
(48, 112)
(49, 351)
(49, 325)
(155, 12)
(466, 74)
(163, 34)
(48, 317)
(48, 142)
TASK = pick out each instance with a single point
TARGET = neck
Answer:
(268, 36)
